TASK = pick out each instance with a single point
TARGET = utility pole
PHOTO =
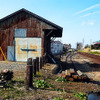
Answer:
(90, 43)
(83, 43)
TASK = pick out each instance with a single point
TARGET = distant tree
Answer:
(79, 46)
(86, 46)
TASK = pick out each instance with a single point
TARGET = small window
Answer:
(20, 32)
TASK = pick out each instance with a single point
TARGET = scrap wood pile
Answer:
(5, 75)
(71, 75)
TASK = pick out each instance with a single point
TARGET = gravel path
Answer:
(15, 66)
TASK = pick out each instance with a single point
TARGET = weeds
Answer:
(59, 98)
(20, 84)
(7, 97)
(80, 95)
(38, 74)
(61, 79)
(60, 90)
(41, 83)
(9, 84)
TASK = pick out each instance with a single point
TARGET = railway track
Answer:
(73, 72)
(69, 61)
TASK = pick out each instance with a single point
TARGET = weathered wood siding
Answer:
(21, 20)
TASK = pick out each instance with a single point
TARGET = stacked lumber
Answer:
(71, 75)
(5, 75)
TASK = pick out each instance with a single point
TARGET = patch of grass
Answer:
(7, 97)
(59, 98)
(19, 92)
(50, 85)
(38, 74)
(10, 93)
(9, 84)
(20, 85)
(60, 90)
(80, 95)
(61, 79)
(97, 53)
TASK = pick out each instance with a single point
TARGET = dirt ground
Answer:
(93, 66)
(56, 90)
(62, 90)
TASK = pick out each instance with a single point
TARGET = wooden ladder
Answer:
(3, 53)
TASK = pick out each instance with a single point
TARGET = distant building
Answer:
(56, 47)
(96, 45)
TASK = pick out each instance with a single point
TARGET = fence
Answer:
(33, 65)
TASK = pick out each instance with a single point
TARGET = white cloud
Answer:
(91, 23)
(85, 23)
(86, 15)
(89, 8)
(91, 13)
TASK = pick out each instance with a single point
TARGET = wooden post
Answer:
(29, 73)
(37, 64)
(41, 64)
(34, 66)
(44, 60)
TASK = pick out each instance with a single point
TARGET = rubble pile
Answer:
(71, 75)
(5, 75)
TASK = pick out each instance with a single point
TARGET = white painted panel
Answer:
(21, 43)
(35, 44)
(27, 47)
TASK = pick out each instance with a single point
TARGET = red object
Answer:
(63, 75)
(97, 43)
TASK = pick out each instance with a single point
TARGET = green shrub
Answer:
(41, 83)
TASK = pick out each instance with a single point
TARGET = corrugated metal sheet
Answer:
(26, 48)
(20, 32)
(10, 53)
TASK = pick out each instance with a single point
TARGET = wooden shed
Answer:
(24, 34)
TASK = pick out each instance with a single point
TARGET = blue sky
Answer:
(80, 19)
